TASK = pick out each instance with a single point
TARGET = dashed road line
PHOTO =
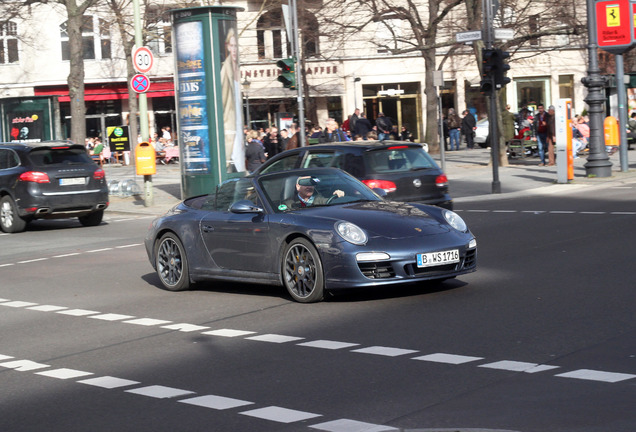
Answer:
(71, 254)
(447, 358)
(270, 413)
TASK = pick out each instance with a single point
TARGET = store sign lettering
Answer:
(274, 72)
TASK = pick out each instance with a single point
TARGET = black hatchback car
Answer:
(404, 170)
(49, 180)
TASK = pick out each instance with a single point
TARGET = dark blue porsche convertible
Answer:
(309, 230)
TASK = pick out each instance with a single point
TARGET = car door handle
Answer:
(208, 228)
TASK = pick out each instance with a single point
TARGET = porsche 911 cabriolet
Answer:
(309, 230)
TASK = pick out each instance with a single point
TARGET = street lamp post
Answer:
(246, 87)
(598, 163)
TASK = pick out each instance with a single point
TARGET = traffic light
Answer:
(502, 67)
(288, 72)
(493, 70)
(488, 67)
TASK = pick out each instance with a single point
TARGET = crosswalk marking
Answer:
(327, 344)
(448, 358)
(108, 382)
(215, 402)
(594, 375)
(385, 351)
(280, 415)
(345, 425)
(64, 373)
(159, 392)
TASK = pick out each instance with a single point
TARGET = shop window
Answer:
(96, 42)
(8, 42)
(533, 23)
(566, 87)
(271, 35)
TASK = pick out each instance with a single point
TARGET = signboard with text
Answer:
(614, 25)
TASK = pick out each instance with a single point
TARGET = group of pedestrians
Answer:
(460, 126)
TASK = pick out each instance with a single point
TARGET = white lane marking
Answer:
(47, 308)
(5, 357)
(127, 246)
(592, 212)
(147, 321)
(478, 211)
(108, 382)
(64, 373)
(77, 312)
(111, 317)
(517, 366)
(346, 425)
(533, 211)
(274, 338)
(215, 402)
(623, 213)
(328, 344)
(384, 351)
(448, 358)
(562, 212)
(185, 327)
(99, 250)
(67, 255)
(3, 300)
(159, 392)
(7, 265)
(280, 415)
(595, 375)
(228, 332)
(17, 304)
(32, 260)
(504, 211)
(23, 365)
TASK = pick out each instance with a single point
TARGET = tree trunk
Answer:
(76, 75)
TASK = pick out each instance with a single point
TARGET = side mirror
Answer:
(245, 206)
(380, 192)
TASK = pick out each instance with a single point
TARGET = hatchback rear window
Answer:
(44, 157)
(398, 160)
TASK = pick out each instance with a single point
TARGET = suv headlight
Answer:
(351, 232)
(455, 221)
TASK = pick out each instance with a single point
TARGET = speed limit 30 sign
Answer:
(143, 59)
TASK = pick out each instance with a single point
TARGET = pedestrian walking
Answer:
(468, 126)
(454, 125)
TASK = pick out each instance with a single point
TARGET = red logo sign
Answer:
(614, 24)
(140, 83)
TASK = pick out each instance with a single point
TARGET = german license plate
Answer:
(72, 181)
(437, 258)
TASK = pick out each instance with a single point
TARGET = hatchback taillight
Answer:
(99, 174)
(441, 180)
(35, 177)
(387, 185)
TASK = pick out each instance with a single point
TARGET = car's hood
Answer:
(384, 218)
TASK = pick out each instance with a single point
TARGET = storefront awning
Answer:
(100, 92)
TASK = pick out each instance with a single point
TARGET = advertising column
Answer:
(208, 93)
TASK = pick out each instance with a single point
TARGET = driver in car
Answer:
(305, 194)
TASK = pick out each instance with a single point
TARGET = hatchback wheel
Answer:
(171, 263)
(302, 271)
(10, 221)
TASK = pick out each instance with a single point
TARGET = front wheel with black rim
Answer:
(302, 271)
(171, 263)
(10, 221)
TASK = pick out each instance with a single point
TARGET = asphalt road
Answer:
(541, 338)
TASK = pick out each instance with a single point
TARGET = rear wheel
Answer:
(10, 221)
(171, 263)
(92, 219)
(302, 271)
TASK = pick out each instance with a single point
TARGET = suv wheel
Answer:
(10, 221)
(92, 219)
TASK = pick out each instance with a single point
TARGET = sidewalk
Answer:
(469, 173)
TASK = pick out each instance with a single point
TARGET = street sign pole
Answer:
(493, 130)
(143, 112)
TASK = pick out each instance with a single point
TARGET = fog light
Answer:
(372, 256)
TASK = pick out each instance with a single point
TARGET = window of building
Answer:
(566, 87)
(8, 42)
(96, 42)
(272, 40)
(158, 31)
(533, 23)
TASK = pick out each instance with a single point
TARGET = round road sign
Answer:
(140, 83)
(143, 59)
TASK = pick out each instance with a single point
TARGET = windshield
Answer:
(302, 189)
(43, 157)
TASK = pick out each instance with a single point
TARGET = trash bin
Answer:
(145, 159)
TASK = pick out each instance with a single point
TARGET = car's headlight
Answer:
(455, 221)
(351, 232)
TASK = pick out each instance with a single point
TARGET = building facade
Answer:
(342, 72)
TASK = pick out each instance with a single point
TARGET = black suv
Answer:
(49, 180)
(404, 170)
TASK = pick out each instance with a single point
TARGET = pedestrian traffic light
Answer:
(288, 72)
(502, 67)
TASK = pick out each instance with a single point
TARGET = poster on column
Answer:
(26, 126)
(194, 134)
(232, 97)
